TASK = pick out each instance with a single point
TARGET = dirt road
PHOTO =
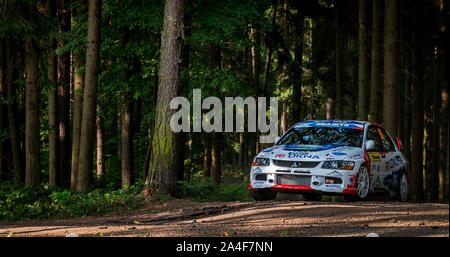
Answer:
(179, 217)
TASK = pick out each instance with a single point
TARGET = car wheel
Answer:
(362, 189)
(312, 197)
(263, 195)
(403, 192)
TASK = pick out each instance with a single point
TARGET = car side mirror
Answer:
(399, 144)
(277, 139)
(370, 145)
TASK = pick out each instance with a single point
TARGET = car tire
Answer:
(263, 195)
(312, 197)
(403, 188)
(363, 184)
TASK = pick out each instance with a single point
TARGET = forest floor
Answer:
(182, 217)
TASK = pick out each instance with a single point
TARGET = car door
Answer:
(391, 161)
(377, 166)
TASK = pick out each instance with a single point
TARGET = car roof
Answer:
(325, 123)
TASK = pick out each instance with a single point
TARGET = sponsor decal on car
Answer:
(338, 153)
(375, 157)
(302, 156)
(335, 173)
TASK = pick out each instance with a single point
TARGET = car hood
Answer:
(312, 152)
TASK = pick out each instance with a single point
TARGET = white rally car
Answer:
(350, 158)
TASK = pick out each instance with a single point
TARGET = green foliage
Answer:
(23, 203)
(205, 190)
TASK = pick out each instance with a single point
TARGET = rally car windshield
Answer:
(323, 136)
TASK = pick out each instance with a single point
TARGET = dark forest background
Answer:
(85, 88)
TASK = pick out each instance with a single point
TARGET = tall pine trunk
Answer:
(2, 73)
(391, 68)
(53, 132)
(443, 58)
(78, 82)
(161, 176)
(32, 164)
(19, 172)
(77, 106)
(364, 54)
(207, 155)
(338, 60)
(216, 157)
(296, 71)
(417, 111)
(89, 97)
(100, 142)
(376, 78)
(64, 97)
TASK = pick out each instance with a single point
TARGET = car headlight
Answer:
(339, 165)
(261, 161)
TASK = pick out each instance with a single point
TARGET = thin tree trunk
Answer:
(255, 36)
(100, 139)
(443, 59)
(76, 118)
(89, 97)
(64, 98)
(364, 68)
(269, 52)
(53, 135)
(32, 165)
(207, 155)
(162, 176)
(127, 143)
(338, 43)
(376, 78)
(77, 108)
(296, 72)
(216, 157)
(241, 150)
(329, 107)
(417, 114)
(126, 123)
(19, 174)
(2, 73)
(391, 68)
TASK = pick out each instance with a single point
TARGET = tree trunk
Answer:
(89, 97)
(329, 107)
(2, 73)
(53, 135)
(127, 142)
(207, 155)
(77, 107)
(269, 52)
(417, 113)
(161, 176)
(19, 174)
(216, 157)
(100, 139)
(391, 68)
(32, 165)
(64, 98)
(376, 78)
(296, 72)
(364, 55)
(338, 59)
(443, 59)
(255, 36)
(76, 119)
(181, 136)
(126, 123)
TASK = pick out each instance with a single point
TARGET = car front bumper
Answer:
(315, 180)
